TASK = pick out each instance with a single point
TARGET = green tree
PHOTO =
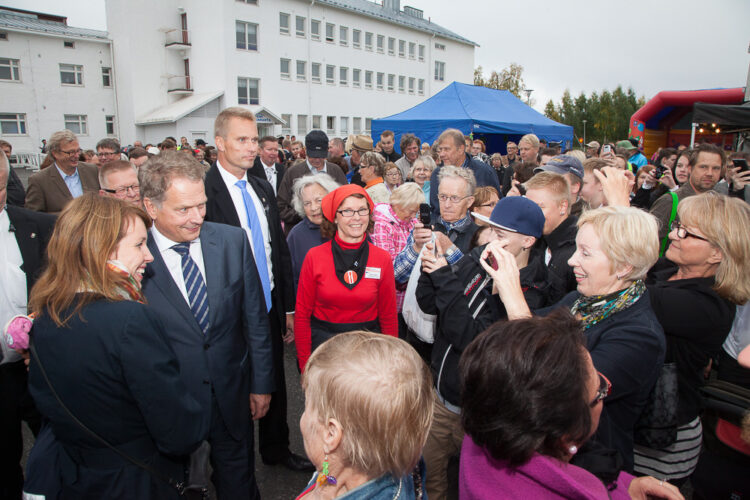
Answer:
(510, 79)
(607, 114)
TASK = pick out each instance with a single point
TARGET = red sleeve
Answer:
(303, 310)
(387, 313)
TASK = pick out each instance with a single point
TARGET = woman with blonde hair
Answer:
(101, 352)
(615, 248)
(694, 292)
(368, 406)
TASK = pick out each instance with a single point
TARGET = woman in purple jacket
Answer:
(531, 397)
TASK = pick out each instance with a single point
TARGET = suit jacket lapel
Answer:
(221, 199)
(159, 275)
(214, 276)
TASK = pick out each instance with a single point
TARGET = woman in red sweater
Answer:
(347, 283)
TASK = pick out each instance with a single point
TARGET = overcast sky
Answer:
(582, 45)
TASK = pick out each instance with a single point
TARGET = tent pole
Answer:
(692, 136)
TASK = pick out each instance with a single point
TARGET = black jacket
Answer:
(32, 231)
(463, 300)
(696, 321)
(16, 192)
(129, 390)
(392, 157)
(562, 245)
(258, 171)
(628, 348)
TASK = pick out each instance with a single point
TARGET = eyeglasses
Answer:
(393, 174)
(453, 199)
(348, 212)
(683, 233)
(123, 190)
(108, 153)
(75, 152)
(489, 204)
(605, 389)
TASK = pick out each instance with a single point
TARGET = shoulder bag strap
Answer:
(179, 486)
(672, 216)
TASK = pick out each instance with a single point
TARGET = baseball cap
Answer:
(593, 144)
(625, 144)
(562, 164)
(316, 144)
(516, 214)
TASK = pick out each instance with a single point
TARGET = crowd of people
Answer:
(466, 323)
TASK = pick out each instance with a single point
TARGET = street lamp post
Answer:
(584, 133)
(528, 96)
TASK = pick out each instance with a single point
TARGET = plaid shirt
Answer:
(404, 262)
(391, 234)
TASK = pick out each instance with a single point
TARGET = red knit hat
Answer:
(333, 200)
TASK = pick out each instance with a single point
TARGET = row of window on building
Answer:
(359, 78)
(346, 125)
(70, 74)
(15, 124)
(369, 40)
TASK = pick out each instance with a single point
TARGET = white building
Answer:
(167, 67)
(53, 76)
(328, 64)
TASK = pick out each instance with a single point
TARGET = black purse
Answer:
(194, 487)
(656, 428)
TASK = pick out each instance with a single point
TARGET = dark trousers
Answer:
(273, 431)
(233, 461)
(15, 405)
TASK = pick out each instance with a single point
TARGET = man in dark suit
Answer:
(206, 289)
(247, 201)
(52, 188)
(23, 239)
(266, 165)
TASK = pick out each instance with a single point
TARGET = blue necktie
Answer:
(259, 244)
(196, 287)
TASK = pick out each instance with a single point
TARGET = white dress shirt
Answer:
(173, 260)
(13, 279)
(239, 206)
(271, 174)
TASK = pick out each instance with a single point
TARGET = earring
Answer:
(324, 477)
(573, 449)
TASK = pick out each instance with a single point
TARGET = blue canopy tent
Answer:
(497, 116)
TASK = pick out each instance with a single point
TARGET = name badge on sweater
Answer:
(372, 273)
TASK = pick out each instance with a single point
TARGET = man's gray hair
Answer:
(450, 171)
(156, 175)
(4, 167)
(59, 138)
(323, 180)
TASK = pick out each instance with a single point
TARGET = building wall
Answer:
(40, 94)
(143, 63)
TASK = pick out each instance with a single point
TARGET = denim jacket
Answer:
(383, 488)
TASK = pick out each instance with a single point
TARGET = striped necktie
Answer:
(195, 286)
